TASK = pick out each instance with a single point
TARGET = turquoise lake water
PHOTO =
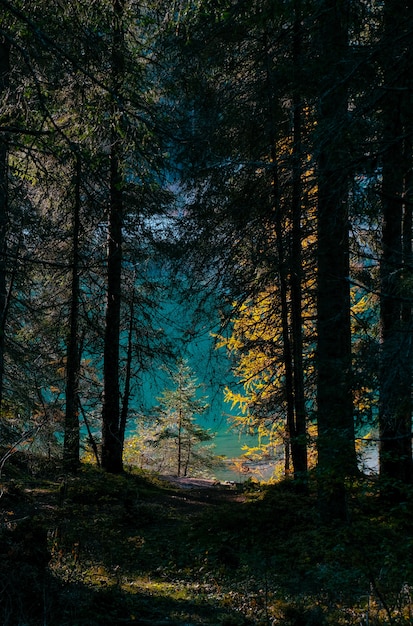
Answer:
(190, 326)
(191, 333)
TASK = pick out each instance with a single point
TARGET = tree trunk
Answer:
(90, 435)
(4, 87)
(180, 437)
(71, 446)
(297, 447)
(299, 442)
(395, 407)
(336, 449)
(188, 457)
(111, 443)
(128, 375)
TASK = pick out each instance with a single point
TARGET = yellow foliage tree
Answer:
(256, 345)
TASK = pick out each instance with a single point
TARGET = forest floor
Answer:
(97, 549)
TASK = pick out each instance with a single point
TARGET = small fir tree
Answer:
(178, 434)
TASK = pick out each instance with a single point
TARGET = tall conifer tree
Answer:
(4, 96)
(336, 452)
(395, 407)
(111, 440)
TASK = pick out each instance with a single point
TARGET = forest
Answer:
(241, 169)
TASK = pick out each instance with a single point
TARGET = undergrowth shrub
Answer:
(24, 557)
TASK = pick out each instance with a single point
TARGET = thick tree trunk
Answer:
(111, 442)
(336, 450)
(395, 407)
(4, 87)
(71, 446)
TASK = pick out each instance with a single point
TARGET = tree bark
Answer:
(299, 442)
(395, 406)
(180, 437)
(4, 87)
(128, 375)
(71, 445)
(295, 435)
(111, 442)
(336, 450)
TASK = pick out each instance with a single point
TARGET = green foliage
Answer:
(172, 441)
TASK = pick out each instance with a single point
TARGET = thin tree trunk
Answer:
(4, 87)
(282, 263)
(296, 445)
(287, 452)
(90, 434)
(71, 445)
(299, 442)
(111, 442)
(188, 457)
(128, 376)
(287, 352)
(180, 435)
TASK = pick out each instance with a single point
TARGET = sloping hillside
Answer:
(138, 549)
